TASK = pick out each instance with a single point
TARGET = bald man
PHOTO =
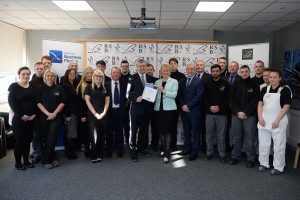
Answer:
(200, 71)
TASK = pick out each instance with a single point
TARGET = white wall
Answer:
(12, 49)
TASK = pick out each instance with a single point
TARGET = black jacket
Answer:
(123, 99)
(216, 94)
(244, 95)
(226, 78)
(136, 90)
(72, 100)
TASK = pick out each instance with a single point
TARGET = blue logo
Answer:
(56, 56)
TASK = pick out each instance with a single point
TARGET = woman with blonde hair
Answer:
(97, 100)
(83, 132)
(165, 107)
(51, 100)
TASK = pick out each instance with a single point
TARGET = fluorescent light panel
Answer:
(205, 6)
(73, 5)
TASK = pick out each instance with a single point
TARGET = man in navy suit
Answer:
(140, 111)
(116, 113)
(190, 94)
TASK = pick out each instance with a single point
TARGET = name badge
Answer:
(250, 90)
(222, 88)
(56, 93)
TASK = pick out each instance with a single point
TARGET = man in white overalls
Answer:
(273, 105)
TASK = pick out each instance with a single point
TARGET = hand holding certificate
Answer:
(149, 93)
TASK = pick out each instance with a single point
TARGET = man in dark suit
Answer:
(140, 111)
(200, 71)
(101, 64)
(190, 94)
(116, 113)
(233, 73)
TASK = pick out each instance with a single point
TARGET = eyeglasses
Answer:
(98, 76)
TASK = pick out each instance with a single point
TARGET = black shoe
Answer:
(120, 155)
(233, 161)
(262, 168)
(144, 153)
(20, 166)
(94, 160)
(28, 164)
(250, 164)
(207, 158)
(275, 172)
(162, 154)
(36, 160)
(193, 157)
(185, 153)
(133, 156)
(223, 159)
(109, 155)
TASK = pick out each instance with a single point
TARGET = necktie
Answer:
(116, 94)
(188, 81)
(231, 79)
(143, 80)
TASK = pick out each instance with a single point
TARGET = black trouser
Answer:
(126, 126)
(154, 132)
(115, 132)
(23, 131)
(49, 130)
(202, 133)
(83, 135)
(97, 136)
(175, 131)
(139, 123)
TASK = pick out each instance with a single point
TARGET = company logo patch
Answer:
(222, 88)
(56, 56)
(247, 54)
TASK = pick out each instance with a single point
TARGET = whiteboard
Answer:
(248, 54)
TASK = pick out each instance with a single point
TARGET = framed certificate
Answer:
(149, 93)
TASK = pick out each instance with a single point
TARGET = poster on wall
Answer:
(248, 54)
(62, 52)
(190, 52)
(114, 52)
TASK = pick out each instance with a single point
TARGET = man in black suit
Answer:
(222, 61)
(73, 64)
(233, 73)
(200, 71)
(101, 64)
(116, 113)
(140, 111)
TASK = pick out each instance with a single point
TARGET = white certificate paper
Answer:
(149, 93)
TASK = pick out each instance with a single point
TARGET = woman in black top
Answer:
(71, 112)
(97, 99)
(51, 100)
(83, 128)
(21, 100)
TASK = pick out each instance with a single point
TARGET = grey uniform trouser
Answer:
(246, 129)
(216, 125)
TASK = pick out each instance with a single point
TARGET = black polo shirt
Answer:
(285, 95)
(97, 97)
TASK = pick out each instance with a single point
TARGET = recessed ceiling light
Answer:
(73, 5)
(205, 6)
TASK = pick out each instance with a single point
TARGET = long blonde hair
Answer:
(47, 72)
(98, 71)
(83, 82)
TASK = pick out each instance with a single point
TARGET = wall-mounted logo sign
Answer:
(247, 54)
(56, 56)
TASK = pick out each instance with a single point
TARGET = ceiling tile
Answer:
(14, 21)
(118, 22)
(120, 26)
(83, 14)
(107, 5)
(4, 15)
(197, 27)
(255, 23)
(137, 5)
(267, 16)
(282, 7)
(96, 26)
(39, 5)
(54, 14)
(179, 6)
(236, 16)
(65, 21)
(38, 21)
(29, 27)
(246, 28)
(91, 21)
(258, 1)
(171, 27)
(199, 22)
(293, 16)
(114, 14)
(173, 22)
(228, 23)
(72, 27)
(297, 11)
(268, 29)
(175, 15)
(281, 23)
(290, 1)
(49, 27)
(206, 15)
(24, 14)
(11, 5)
(247, 7)
(222, 28)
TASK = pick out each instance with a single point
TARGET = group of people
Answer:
(225, 108)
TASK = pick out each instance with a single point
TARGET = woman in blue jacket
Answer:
(165, 108)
